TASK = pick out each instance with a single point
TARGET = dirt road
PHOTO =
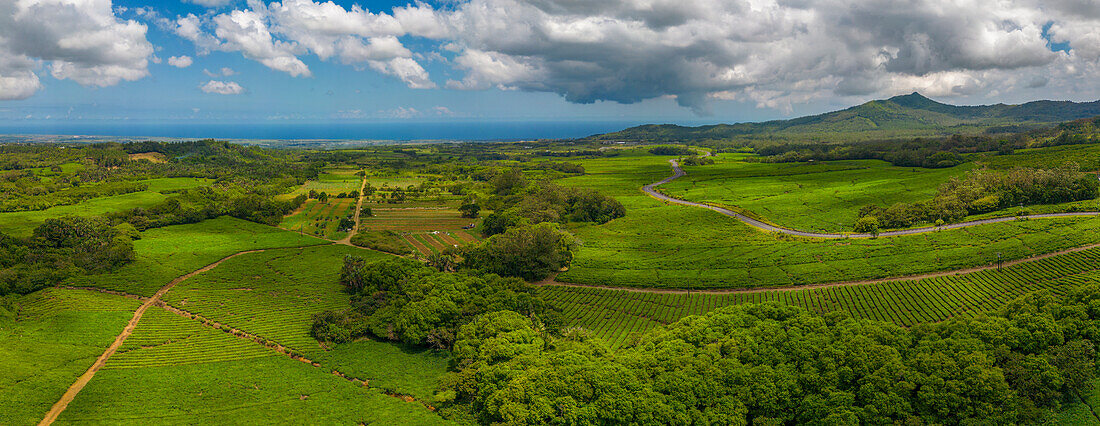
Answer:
(678, 172)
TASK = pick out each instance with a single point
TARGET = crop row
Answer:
(614, 315)
(163, 338)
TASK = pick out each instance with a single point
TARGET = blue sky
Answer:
(689, 62)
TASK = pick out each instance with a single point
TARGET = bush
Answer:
(528, 252)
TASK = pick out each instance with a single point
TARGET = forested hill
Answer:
(903, 116)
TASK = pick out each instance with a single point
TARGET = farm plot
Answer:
(614, 315)
(321, 219)
(164, 338)
(49, 339)
(427, 230)
(271, 295)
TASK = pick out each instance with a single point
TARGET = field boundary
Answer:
(678, 172)
(551, 281)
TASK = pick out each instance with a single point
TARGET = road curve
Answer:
(678, 172)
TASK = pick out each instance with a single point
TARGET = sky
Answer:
(664, 61)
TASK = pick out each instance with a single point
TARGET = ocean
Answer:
(342, 130)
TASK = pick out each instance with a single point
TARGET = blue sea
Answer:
(396, 131)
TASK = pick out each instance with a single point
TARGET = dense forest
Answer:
(751, 364)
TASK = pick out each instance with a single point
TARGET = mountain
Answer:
(911, 115)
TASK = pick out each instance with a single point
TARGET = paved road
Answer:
(678, 172)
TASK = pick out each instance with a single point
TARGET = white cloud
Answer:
(773, 52)
(402, 113)
(210, 3)
(276, 34)
(222, 87)
(226, 71)
(180, 61)
(80, 40)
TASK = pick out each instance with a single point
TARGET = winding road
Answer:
(678, 172)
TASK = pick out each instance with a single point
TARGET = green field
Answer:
(321, 219)
(271, 295)
(614, 314)
(53, 336)
(426, 230)
(264, 390)
(823, 196)
(22, 223)
(673, 246)
(166, 253)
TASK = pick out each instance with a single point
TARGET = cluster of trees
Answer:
(61, 248)
(671, 150)
(519, 204)
(696, 160)
(918, 152)
(772, 364)
(25, 190)
(198, 204)
(983, 191)
(531, 252)
(404, 300)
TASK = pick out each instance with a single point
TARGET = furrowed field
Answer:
(224, 377)
(427, 230)
(321, 219)
(48, 341)
(614, 314)
(672, 246)
(271, 295)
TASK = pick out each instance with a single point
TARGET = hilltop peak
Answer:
(913, 100)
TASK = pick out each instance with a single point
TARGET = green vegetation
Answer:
(47, 340)
(823, 196)
(659, 245)
(62, 248)
(770, 363)
(615, 315)
(987, 191)
(387, 241)
(163, 254)
(272, 389)
(904, 116)
(271, 295)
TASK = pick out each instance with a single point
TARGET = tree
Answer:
(867, 225)
(528, 252)
(508, 181)
(469, 209)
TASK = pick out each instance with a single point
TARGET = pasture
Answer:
(672, 246)
(21, 224)
(613, 315)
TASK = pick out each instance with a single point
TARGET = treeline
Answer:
(61, 248)
(937, 152)
(198, 204)
(918, 152)
(983, 191)
(404, 300)
(516, 203)
(671, 150)
(773, 364)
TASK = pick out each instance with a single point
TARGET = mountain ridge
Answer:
(911, 115)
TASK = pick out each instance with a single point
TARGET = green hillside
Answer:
(909, 115)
